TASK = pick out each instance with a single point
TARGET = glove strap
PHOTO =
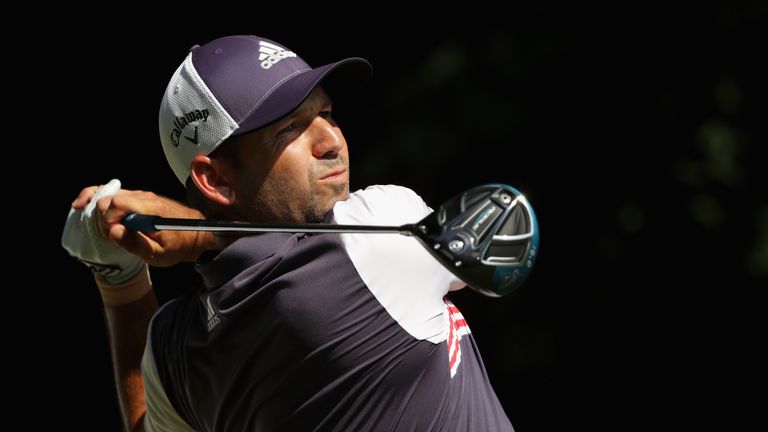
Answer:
(126, 292)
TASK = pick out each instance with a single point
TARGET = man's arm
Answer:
(130, 305)
(127, 326)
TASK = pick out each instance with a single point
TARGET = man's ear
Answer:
(209, 176)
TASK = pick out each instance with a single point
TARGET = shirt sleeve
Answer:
(160, 416)
(400, 273)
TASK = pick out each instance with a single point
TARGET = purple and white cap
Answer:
(234, 85)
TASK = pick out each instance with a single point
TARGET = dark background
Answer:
(638, 135)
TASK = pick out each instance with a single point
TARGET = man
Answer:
(288, 332)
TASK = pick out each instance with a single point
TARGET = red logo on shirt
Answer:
(458, 328)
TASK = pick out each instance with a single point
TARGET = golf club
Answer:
(487, 235)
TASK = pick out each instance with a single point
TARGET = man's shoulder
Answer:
(386, 194)
(390, 189)
(382, 204)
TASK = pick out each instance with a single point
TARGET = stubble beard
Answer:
(269, 204)
(316, 210)
(316, 207)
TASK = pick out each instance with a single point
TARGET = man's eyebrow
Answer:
(301, 110)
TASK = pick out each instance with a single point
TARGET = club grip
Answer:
(140, 222)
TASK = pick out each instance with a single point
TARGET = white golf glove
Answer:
(82, 240)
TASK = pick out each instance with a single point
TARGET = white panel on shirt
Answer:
(408, 282)
(160, 416)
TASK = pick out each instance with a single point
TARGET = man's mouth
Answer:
(338, 174)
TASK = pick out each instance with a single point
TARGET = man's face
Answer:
(293, 170)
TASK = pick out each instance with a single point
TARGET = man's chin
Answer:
(342, 191)
(318, 208)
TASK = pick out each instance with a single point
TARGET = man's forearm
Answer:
(127, 325)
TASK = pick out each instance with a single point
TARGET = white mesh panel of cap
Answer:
(191, 120)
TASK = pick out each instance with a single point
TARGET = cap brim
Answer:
(353, 71)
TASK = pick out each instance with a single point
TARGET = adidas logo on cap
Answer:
(270, 54)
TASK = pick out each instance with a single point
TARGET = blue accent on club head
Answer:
(507, 279)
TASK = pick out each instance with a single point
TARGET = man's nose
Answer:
(326, 140)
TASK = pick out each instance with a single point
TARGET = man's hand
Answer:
(161, 248)
(83, 239)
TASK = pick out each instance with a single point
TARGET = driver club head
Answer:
(487, 236)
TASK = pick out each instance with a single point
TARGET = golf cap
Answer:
(234, 85)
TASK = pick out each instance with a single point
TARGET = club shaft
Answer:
(174, 224)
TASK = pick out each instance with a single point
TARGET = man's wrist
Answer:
(205, 241)
(126, 292)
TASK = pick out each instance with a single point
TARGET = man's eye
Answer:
(287, 129)
(325, 114)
